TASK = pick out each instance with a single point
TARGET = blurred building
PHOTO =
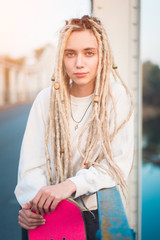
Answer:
(22, 78)
(122, 21)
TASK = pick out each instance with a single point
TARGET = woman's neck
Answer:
(81, 91)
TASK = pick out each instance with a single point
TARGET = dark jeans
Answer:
(91, 222)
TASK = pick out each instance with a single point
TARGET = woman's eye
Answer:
(89, 53)
(70, 54)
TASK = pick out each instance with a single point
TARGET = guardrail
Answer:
(112, 217)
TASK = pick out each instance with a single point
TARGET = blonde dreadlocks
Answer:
(57, 130)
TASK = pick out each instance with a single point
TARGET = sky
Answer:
(30, 24)
(150, 30)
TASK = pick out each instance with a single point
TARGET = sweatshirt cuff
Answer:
(81, 184)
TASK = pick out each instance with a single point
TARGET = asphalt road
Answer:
(12, 126)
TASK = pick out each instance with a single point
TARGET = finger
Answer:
(29, 214)
(47, 205)
(31, 222)
(42, 202)
(44, 197)
(29, 219)
(41, 205)
(27, 222)
(35, 202)
(23, 225)
(27, 205)
(54, 204)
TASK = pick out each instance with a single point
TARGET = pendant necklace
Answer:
(77, 122)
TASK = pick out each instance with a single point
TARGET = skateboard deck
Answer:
(64, 223)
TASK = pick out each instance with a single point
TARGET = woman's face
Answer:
(81, 59)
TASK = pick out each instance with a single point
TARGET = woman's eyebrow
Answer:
(69, 49)
(88, 48)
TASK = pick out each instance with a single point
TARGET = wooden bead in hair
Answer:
(96, 98)
(114, 66)
(56, 85)
(52, 78)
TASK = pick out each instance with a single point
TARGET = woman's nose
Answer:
(79, 61)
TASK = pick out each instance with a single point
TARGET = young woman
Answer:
(79, 135)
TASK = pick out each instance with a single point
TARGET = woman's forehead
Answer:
(81, 39)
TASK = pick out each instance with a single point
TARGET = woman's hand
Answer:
(28, 219)
(48, 197)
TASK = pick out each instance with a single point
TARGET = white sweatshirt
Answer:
(32, 165)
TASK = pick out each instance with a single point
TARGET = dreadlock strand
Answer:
(50, 179)
(57, 127)
(89, 135)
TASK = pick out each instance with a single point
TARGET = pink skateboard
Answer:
(64, 223)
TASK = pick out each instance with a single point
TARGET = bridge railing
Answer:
(112, 217)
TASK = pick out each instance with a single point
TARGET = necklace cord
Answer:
(83, 114)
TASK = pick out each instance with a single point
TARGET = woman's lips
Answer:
(81, 74)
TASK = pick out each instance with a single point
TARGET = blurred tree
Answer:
(151, 84)
(151, 112)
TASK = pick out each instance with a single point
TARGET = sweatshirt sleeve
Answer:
(89, 181)
(32, 163)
